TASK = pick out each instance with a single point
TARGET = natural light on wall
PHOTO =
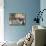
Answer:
(1, 20)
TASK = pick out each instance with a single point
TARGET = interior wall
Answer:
(1, 21)
(43, 6)
(29, 7)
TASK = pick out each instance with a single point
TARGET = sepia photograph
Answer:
(17, 19)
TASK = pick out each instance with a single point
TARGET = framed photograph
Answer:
(17, 19)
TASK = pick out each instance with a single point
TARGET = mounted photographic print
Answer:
(17, 19)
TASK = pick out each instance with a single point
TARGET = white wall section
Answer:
(1, 20)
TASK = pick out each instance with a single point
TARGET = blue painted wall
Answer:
(43, 6)
(29, 7)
